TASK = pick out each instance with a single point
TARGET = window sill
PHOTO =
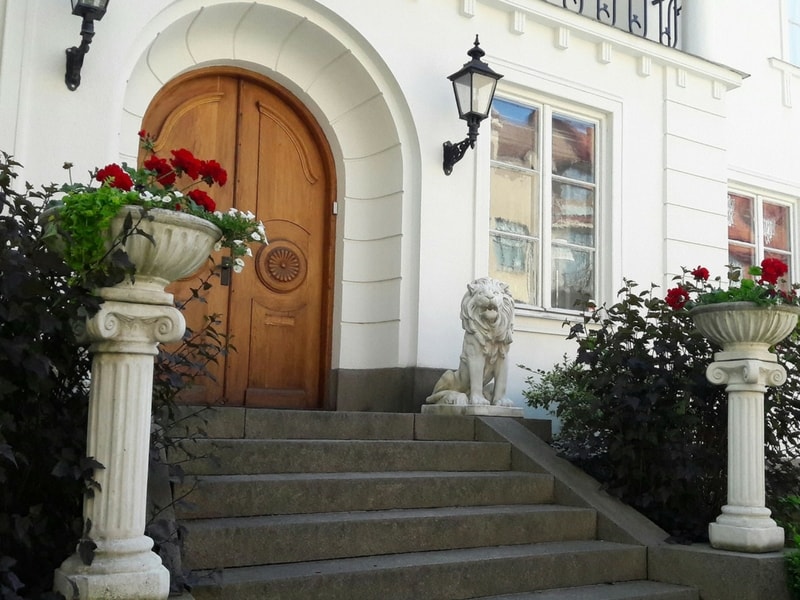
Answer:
(530, 319)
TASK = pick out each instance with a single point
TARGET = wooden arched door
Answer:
(278, 310)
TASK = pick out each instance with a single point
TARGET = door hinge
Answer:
(335, 208)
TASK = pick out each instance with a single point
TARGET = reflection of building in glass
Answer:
(511, 252)
(542, 220)
(758, 228)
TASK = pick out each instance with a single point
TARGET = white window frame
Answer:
(547, 107)
(759, 197)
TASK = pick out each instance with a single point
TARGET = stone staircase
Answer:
(376, 506)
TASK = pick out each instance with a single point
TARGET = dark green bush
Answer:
(789, 511)
(638, 413)
(43, 399)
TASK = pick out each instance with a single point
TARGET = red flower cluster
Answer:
(166, 172)
(212, 172)
(115, 176)
(677, 298)
(701, 274)
(200, 198)
(765, 285)
(772, 269)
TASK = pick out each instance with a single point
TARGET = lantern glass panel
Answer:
(482, 93)
(462, 89)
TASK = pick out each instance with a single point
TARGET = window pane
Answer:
(794, 10)
(515, 261)
(740, 219)
(794, 46)
(515, 199)
(572, 277)
(573, 214)
(775, 228)
(515, 134)
(741, 256)
(573, 148)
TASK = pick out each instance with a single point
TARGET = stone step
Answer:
(246, 541)
(237, 422)
(301, 493)
(436, 575)
(248, 456)
(628, 590)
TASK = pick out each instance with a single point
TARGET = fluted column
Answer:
(745, 522)
(124, 338)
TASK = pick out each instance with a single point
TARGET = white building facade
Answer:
(611, 152)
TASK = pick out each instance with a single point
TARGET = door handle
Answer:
(225, 271)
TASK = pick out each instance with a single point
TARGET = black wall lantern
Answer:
(474, 87)
(90, 11)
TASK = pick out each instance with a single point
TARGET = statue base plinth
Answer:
(472, 410)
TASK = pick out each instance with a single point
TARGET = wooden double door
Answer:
(277, 311)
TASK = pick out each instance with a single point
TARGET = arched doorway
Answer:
(277, 312)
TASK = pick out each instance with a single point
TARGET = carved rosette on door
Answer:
(281, 266)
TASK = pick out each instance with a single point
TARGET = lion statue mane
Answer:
(487, 316)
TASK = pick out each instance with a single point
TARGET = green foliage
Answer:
(563, 386)
(647, 423)
(77, 231)
(43, 399)
(789, 519)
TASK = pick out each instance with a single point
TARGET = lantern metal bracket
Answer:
(90, 12)
(455, 152)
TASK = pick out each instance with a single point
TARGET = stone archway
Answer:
(368, 126)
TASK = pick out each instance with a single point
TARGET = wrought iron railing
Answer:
(638, 17)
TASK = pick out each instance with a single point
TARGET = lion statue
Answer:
(487, 316)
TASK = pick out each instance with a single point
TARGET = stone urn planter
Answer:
(745, 327)
(746, 331)
(135, 316)
(183, 243)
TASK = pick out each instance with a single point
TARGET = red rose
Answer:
(677, 298)
(211, 171)
(165, 174)
(142, 134)
(700, 274)
(184, 162)
(200, 198)
(772, 269)
(115, 176)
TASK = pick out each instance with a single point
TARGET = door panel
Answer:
(277, 311)
(282, 312)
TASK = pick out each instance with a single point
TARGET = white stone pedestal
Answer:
(470, 410)
(124, 338)
(745, 524)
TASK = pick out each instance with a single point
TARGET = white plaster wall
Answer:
(374, 74)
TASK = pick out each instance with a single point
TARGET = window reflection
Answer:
(514, 134)
(542, 241)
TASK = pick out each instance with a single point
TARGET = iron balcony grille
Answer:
(657, 20)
